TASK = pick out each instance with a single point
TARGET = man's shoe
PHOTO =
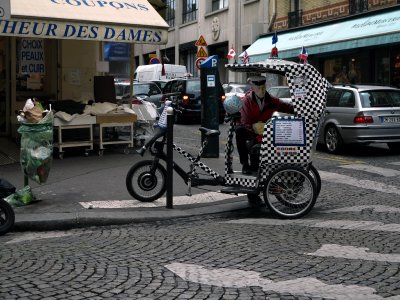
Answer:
(255, 201)
(246, 170)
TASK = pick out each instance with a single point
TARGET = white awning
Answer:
(375, 29)
(131, 21)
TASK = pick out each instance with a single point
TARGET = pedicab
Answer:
(288, 181)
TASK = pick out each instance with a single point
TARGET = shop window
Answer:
(382, 67)
(189, 11)
(357, 6)
(396, 70)
(31, 66)
(218, 4)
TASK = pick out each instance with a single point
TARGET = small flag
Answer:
(303, 55)
(231, 53)
(245, 57)
(275, 38)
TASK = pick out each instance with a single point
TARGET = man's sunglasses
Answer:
(259, 82)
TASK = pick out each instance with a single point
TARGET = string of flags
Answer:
(303, 55)
(245, 57)
(231, 53)
(274, 50)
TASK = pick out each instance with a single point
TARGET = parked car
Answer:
(282, 92)
(148, 91)
(239, 89)
(361, 114)
(187, 92)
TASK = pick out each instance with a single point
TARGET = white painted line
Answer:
(331, 224)
(359, 208)
(32, 236)
(306, 286)
(365, 184)
(350, 252)
(178, 200)
(372, 169)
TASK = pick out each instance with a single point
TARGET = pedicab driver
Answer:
(258, 107)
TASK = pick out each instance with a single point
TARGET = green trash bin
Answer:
(37, 148)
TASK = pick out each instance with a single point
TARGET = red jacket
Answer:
(251, 113)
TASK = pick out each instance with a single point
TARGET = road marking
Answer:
(305, 286)
(178, 200)
(350, 252)
(359, 208)
(32, 236)
(338, 159)
(362, 183)
(331, 224)
(372, 169)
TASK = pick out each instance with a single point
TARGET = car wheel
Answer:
(333, 140)
(394, 147)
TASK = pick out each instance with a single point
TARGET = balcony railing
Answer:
(295, 18)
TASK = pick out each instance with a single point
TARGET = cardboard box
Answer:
(115, 118)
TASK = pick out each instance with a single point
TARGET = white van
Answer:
(153, 72)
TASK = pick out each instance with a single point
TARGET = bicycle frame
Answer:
(190, 178)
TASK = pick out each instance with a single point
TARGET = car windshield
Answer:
(146, 88)
(282, 92)
(121, 89)
(380, 98)
(193, 86)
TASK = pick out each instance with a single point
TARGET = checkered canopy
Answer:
(308, 91)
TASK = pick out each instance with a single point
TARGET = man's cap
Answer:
(257, 80)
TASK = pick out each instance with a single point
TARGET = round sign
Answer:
(199, 61)
(154, 61)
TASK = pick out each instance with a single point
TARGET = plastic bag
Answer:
(22, 197)
(37, 148)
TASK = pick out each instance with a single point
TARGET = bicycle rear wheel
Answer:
(145, 181)
(317, 178)
(290, 192)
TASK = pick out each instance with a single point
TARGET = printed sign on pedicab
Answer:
(289, 132)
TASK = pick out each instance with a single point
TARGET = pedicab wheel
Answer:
(7, 217)
(145, 181)
(317, 178)
(290, 192)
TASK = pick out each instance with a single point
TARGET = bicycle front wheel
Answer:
(290, 192)
(146, 181)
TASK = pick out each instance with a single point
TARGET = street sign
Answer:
(199, 61)
(201, 52)
(154, 61)
(201, 42)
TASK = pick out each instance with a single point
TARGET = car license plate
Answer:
(391, 119)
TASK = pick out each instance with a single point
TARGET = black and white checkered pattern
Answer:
(192, 159)
(308, 92)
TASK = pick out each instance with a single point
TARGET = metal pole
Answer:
(170, 158)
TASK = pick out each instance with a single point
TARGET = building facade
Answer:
(238, 24)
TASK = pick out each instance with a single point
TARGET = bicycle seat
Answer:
(209, 132)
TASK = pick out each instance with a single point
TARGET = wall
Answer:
(78, 66)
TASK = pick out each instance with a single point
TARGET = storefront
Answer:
(362, 49)
(52, 49)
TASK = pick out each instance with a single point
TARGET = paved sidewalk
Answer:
(89, 191)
